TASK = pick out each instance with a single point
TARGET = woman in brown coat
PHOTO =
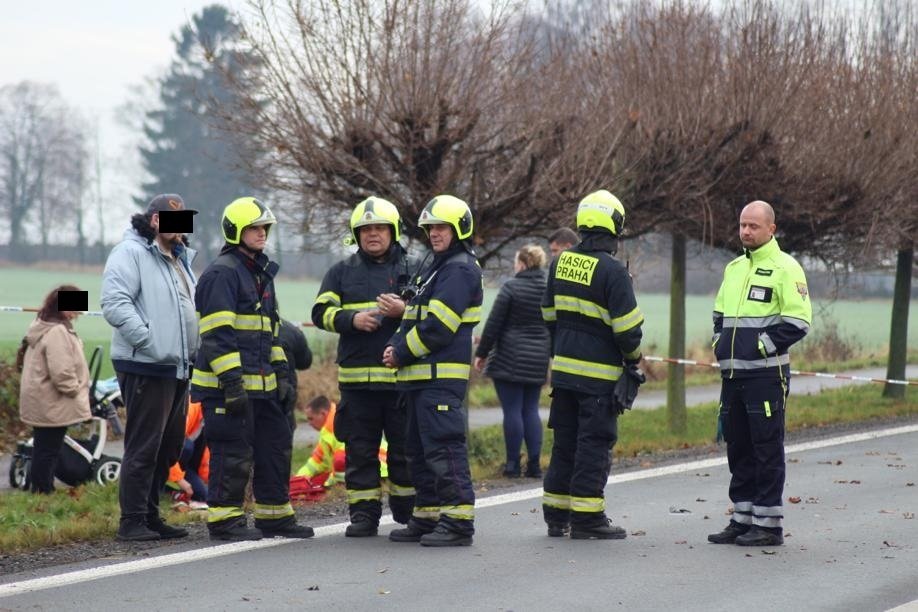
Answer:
(54, 392)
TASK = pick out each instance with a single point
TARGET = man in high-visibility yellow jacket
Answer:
(327, 463)
(762, 308)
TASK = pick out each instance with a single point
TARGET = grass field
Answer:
(863, 324)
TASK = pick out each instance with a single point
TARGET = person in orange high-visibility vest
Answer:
(191, 472)
(327, 463)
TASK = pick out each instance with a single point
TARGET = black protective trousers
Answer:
(439, 460)
(362, 418)
(257, 441)
(585, 429)
(752, 414)
(153, 437)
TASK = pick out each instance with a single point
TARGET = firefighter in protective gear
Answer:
(595, 324)
(761, 309)
(432, 351)
(359, 300)
(240, 377)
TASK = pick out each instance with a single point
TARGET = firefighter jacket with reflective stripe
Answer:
(351, 286)
(762, 308)
(239, 324)
(593, 318)
(433, 344)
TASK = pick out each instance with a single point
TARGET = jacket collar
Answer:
(766, 251)
(185, 254)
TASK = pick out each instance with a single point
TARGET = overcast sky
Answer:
(94, 51)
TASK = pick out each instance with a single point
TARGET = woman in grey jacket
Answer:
(514, 351)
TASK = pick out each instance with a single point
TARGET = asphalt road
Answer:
(850, 545)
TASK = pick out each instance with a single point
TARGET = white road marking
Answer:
(129, 567)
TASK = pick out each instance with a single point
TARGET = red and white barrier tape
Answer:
(690, 362)
(708, 364)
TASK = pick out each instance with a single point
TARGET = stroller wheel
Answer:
(20, 467)
(107, 470)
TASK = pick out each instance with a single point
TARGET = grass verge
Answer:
(90, 512)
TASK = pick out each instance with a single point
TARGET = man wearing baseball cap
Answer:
(148, 299)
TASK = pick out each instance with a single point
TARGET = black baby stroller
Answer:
(81, 460)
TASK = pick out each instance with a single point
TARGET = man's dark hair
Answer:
(141, 224)
(564, 235)
(318, 404)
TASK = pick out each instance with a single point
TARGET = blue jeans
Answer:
(520, 403)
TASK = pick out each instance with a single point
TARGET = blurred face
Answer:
(441, 235)
(316, 418)
(167, 239)
(755, 226)
(375, 239)
(557, 247)
(254, 237)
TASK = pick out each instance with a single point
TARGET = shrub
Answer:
(11, 428)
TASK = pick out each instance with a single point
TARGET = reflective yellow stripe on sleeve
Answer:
(226, 362)
(329, 297)
(445, 314)
(415, 345)
(277, 354)
(215, 320)
(549, 314)
(628, 321)
(590, 369)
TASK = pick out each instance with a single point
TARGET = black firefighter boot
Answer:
(441, 536)
(233, 531)
(599, 531)
(362, 526)
(134, 529)
(166, 532)
(728, 536)
(413, 532)
(761, 536)
(287, 529)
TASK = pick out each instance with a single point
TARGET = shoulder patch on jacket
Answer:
(802, 290)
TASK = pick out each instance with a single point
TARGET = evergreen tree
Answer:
(188, 152)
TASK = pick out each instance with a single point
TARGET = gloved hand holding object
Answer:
(626, 388)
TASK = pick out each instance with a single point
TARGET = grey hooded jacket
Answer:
(140, 300)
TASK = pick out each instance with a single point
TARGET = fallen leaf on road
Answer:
(514, 514)
(705, 475)
(873, 453)
(533, 511)
(887, 511)
(706, 517)
(794, 460)
(891, 545)
(681, 542)
(382, 571)
(674, 510)
(812, 500)
(794, 499)
(840, 482)
(382, 592)
(898, 466)
(699, 499)
(908, 515)
(748, 555)
(639, 532)
(910, 484)
(314, 587)
(855, 482)
(769, 552)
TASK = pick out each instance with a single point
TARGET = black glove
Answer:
(626, 388)
(286, 394)
(237, 400)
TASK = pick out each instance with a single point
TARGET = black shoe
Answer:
(407, 534)
(759, 536)
(290, 531)
(361, 529)
(558, 530)
(602, 531)
(533, 470)
(729, 534)
(511, 469)
(237, 533)
(166, 532)
(441, 536)
(135, 530)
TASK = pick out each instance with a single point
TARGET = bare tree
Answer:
(400, 99)
(42, 160)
